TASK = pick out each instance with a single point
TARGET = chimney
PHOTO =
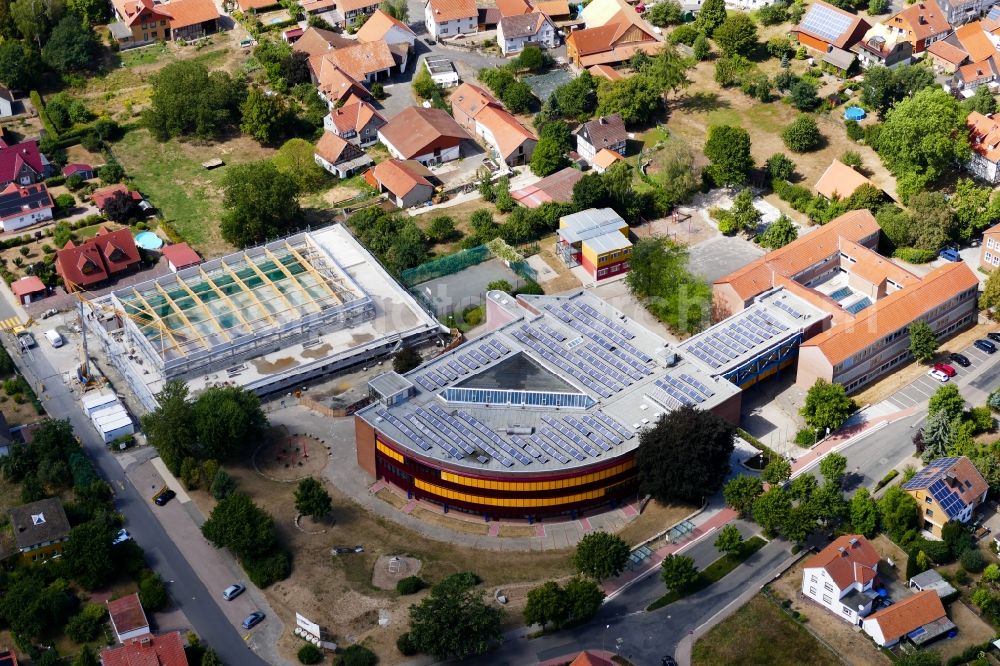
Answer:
(853, 542)
(603, 120)
(144, 640)
(922, 20)
(842, 551)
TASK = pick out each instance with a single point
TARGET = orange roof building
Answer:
(479, 112)
(448, 18)
(824, 27)
(143, 21)
(429, 136)
(403, 183)
(839, 181)
(315, 41)
(357, 121)
(610, 73)
(128, 618)
(841, 577)
(340, 157)
(920, 618)
(162, 650)
(382, 27)
(614, 42)
(604, 159)
(870, 299)
(921, 24)
(362, 62)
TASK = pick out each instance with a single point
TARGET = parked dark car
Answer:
(994, 336)
(985, 345)
(344, 550)
(164, 497)
(253, 619)
(950, 254)
(961, 359)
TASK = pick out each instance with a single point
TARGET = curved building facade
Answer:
(538, 417)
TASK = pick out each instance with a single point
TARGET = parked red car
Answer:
(945, 368)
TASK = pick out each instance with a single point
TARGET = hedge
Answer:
(893, 473)
(913, 255)
(771, 453)
(36, 101)
(170, 232)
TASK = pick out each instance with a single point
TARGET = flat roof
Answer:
(771, 320)
(589, 223)
(567, 382)
(608, 242)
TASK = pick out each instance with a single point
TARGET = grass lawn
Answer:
(759, 633)
(171, 176)
(144, 55)
(714, 572)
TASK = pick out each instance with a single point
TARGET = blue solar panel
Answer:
(826, 22)
(928, 474)
(841, 293)
(855, 308)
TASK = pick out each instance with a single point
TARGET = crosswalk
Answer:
(9, 324)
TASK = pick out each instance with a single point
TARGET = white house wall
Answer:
(28, 219)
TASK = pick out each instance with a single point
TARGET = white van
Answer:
(54, 338)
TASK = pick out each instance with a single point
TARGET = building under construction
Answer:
(267, 318)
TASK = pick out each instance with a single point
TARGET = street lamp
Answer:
(604, 637)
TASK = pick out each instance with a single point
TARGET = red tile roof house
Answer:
(128, 618)
(101, 196)
(921, 618)
(8, 658)
(162, 650)
(382, 27)
(402, 183)
(28, 289)
(516, 32)
(22, 207)
(984, 139)
(429, 136)
(447, 18)
(143, 21)
(478, 111)
(85, 171)
(841, 577)
(100, 258)
(339, 157)
(23, 164)
(180, 256)
(356, 122)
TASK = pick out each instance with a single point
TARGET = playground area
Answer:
(291, 457)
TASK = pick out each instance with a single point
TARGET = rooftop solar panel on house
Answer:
(825, 22)
(785, 306)
(563, 444)
(855, 308)
(611, 423)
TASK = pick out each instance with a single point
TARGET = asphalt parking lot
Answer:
(922, 389)
(720, 256)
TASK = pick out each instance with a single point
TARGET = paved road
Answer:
(186, 590)
(646, 637)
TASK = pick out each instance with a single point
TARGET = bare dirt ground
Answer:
(902, 376)
(390, 569)
(460, 214)
(565, 281)
(654, 519)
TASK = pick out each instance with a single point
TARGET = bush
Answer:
(802, 135)
(464, 579)
(410, 585)
(913, 255)
(85, 625)
(972, 561)
(684, 34)
(357, 655)
(266, 570)
(152, 594)
(405, 645)
(885, 480)
(982, 419)
(473, 315)
(805, 437)
(937, 551)
(854, 130)
(961, 577)
(309, 654)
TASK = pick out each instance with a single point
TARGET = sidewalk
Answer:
(216, 568)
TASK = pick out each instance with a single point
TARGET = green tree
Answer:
(240, 525)
(187, 100)
(678, 573)
(532, 59)
(110, 173)
(664, 13)
(737, 35)
(701, 48)
(982, 101)
(833, 466)
(660, 278)
(94, 12)
(71, 47)
(228, 420)
(728, 150)
(924, 135)
(577, 99)
(932, 220)
(397, 9)
(991, 574)
(423, 84)
(454, 622)
(975, 208)
(591, 192)
(83, 626)
(864, 512)
(600, 555)
(802, 487)
(743, 212)
(259, 203)
(518, 98)
(684, 456)
(729, 541)
(741, 493)
(583, 599)
(210, 658)
(88, 554)
(937, 436)
(990, 300)
(442, 229)
(827, 406)
(152, 593)
(777, 471)
(802, 135)
(946, 399)
(771, 510)
(798, 524)
(358, 655)
(803, 95)
(406, 359)
(32, 18)
(223, 485)
(779, 233)
(711, 16)
(311, 498)
(263, 115)
(547, 158)
(31, 607)
(86, 657)
(676, 177)
(636, 98)
(923, 342)
(20, 64)
(295, 159)
(899, 512)
(779, 167)
(546, 605)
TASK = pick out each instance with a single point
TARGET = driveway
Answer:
(455, 292)
(720, 256)
(922, 389)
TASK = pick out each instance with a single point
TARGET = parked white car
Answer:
(938, 375)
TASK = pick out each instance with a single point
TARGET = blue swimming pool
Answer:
(147, 240)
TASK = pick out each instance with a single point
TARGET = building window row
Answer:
(525, 486)
(521, 502)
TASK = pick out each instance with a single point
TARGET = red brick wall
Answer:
(364, 442)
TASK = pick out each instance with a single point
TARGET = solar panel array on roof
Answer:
(855, 308)
(728, 343)
(950, 501)
(825, 22)
(926, 476)
(994, 13)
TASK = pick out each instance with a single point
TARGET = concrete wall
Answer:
(364, 443)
